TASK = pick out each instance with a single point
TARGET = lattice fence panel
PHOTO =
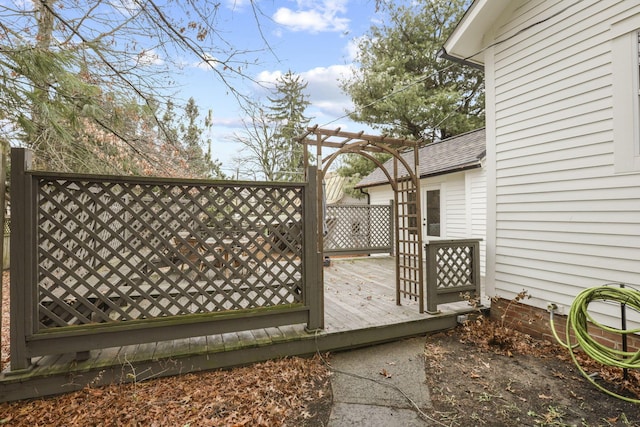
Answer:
(453, 271)
(454, 267)
(358, 229)
(117, 251)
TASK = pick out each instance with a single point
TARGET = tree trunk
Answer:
(40, 91)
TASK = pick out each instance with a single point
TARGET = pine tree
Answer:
(403, 87)
(287, 108)
(80, 80)
(200, 164)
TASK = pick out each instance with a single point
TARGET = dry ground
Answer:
(485, 374)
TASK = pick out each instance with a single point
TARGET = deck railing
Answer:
(106, 261)
(453, 271)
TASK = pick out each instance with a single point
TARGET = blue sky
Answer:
(314, 39)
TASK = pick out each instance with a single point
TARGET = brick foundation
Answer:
(535, 322)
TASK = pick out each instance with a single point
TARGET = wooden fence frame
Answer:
(452, 271)
(28, 342)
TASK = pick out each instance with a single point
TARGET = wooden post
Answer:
(313, 273)
(319, 194)
(23, 259)
(392, 237)
(432, 281)
(3, 189)
(418, 222)
(396, 221)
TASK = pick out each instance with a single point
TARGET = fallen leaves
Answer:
(385, 373)
(4, 349)
(273, 393)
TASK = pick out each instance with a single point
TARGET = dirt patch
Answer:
(481, 374)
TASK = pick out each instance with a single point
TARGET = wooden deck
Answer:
(360, 309)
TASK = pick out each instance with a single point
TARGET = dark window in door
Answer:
(433, 213)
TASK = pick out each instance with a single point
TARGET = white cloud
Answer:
(149, 57)
(237, 4)
(268, 78)
(209, 61)
(227, 122)
(351, 49)
(328, 102)
(324, 87)
(127, 8)
(314, 16)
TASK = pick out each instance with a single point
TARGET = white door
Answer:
(432, 226)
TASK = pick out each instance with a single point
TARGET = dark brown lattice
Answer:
(117, 251)
(454, 266)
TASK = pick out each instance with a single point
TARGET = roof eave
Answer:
(442, 53)
(467, 41)
(461, 168)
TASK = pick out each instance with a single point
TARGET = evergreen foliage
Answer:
(84, 83)
(270, 131)
(287, 108)
(402, 87)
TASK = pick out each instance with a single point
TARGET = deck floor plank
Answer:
(215, 343)
(198, 345)
(261, 337)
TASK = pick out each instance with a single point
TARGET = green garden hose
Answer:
(578, 321)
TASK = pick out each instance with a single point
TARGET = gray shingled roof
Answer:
(453, 154)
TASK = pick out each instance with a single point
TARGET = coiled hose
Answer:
(578, 321)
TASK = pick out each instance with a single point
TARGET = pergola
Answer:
(405, 182)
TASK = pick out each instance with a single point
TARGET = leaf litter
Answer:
(286, 392)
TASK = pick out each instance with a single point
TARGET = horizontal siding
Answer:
(543, 48)
(464, 196)
(456, 208)
(478, 208)
(380, 195)
(619, 186)
(538, 150)
(564, 220)
(558, 243)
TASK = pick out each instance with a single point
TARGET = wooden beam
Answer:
(380, 139)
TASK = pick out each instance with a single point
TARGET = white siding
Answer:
(564, 221)
(455, 207)
(380, 195)
(463, 205)
(477, 208)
